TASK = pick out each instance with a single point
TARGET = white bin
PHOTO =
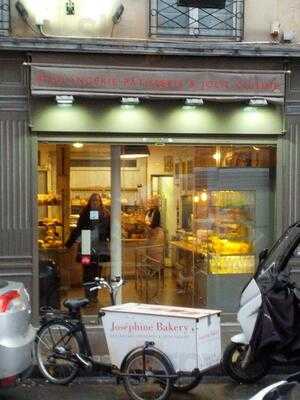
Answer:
(190, 337)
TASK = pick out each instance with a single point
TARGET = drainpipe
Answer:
(115, 225)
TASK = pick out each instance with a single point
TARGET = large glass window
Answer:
(194, 219)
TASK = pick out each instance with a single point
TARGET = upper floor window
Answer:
(170, 17)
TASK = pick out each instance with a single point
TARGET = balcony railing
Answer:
(4, 17)
(166, 18)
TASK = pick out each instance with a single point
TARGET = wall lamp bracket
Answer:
(118, 14)
(70, 7)
(22, 10)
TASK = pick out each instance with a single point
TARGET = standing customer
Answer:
(96, 218)
(152, 212)
(155, 238)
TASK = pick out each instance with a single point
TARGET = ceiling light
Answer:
(78, 145)
(66, 101)
(130, 100)
(204, 196)
(132, 152)
(255, 148)
(258, 102)
(217, 156)
(194, 101)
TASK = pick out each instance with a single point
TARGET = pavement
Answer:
(211, 388)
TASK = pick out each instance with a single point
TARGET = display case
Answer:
(219, 243)
(224, 221)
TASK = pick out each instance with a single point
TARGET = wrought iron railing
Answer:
(166, 17)
(4, 17)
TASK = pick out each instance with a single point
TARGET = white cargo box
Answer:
(190, 337)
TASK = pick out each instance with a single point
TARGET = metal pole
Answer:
(115, 225)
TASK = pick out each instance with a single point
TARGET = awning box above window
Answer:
(91, 81)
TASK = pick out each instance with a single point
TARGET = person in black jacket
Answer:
(96, 218)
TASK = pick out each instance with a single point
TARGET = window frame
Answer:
(192, 30)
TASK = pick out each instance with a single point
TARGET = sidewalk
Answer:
(220, 388)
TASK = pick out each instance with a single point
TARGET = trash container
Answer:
(49, 284)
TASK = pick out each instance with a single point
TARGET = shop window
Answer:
(214, 206)
(169, 18)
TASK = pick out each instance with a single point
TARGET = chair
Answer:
(149, 270)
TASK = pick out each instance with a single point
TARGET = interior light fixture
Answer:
(194, 101)
(78, 145)
(255, 148)
(259, 102)
(64, 100)
(217, 156)
(134, 151)
(204, 196)
(130, 100)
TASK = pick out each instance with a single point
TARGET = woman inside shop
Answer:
(151, 268)
(152, 211)
(155, 239)
(96, 218)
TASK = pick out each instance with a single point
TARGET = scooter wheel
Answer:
(232, 364)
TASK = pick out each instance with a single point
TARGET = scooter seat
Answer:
(75, 304)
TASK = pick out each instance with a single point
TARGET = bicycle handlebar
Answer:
(100, 283)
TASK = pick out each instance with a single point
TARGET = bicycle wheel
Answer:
(155, 383)
(55, 346)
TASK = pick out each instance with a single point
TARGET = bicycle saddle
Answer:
(75, 304)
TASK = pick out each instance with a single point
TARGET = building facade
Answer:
(163, 53)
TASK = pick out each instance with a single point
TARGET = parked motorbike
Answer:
(269, 315)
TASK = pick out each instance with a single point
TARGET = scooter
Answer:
(282, 390)
(269, 315)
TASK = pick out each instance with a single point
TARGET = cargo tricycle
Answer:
(153, 349)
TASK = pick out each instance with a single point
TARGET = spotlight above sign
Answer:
(64, 100)
(260, 102)
(132, 101)
(194, 101)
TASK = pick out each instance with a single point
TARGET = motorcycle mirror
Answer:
(263, 254)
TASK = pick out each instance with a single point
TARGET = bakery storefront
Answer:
(196, 147)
